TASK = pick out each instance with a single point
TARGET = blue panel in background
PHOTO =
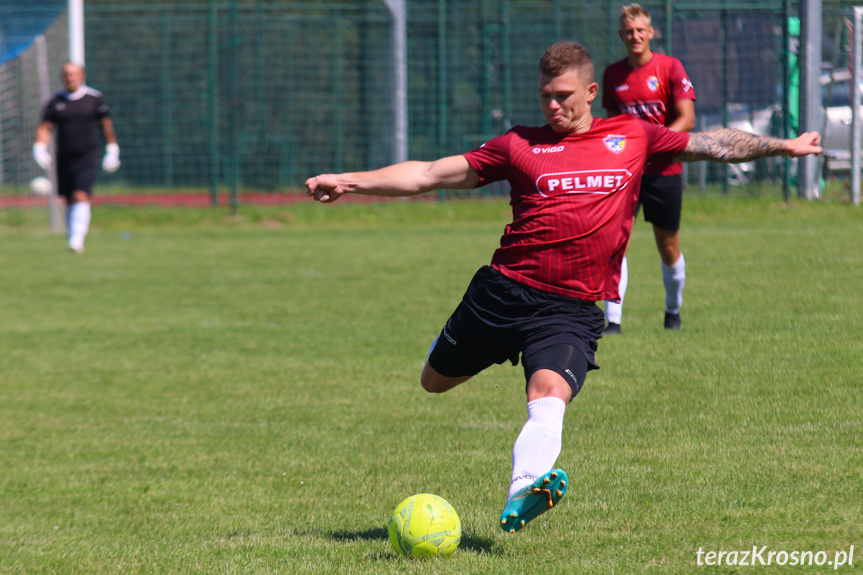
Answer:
(22, 20)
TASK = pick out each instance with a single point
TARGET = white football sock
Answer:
(613, 310)
(674, 278)
(539, 443)
(79, 224)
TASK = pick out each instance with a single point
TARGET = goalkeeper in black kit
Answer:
(77, 114)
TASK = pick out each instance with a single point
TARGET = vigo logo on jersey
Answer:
(645, 109)
(548, 150)
(583, 182)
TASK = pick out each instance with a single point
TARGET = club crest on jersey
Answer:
(653, 83)
(615, 143)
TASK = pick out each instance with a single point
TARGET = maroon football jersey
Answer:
(573, 197)
(648, 92)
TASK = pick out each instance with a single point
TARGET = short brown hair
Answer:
(633, 11)
(562, 57)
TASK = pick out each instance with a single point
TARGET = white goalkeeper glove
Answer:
(42, 156)
(111, 161)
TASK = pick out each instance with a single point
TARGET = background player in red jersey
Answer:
(653, 87)
(575, 183)
(78, 114)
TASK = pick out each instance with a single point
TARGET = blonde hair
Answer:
(633, 11)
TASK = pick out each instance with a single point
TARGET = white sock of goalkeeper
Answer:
(68, 221)
(538, 445)
(674, 278)
(79, 224)
(614, 310)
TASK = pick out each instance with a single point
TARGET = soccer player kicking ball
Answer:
(575, 182)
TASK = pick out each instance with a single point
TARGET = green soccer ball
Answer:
(424, 526)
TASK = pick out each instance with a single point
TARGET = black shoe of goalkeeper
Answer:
(611, 329)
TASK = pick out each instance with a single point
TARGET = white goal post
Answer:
(76, 31)
(398, 10)
(856, 75)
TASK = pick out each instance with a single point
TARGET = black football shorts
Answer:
(499, 318)
(76, 174)
(662, 200)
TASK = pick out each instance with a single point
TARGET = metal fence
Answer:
(258, 95)
(32, 42)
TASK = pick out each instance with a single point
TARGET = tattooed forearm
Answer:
(730, 146)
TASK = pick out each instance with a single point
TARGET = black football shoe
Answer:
(611, 329)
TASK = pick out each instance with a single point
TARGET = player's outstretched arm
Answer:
(733, 146)
(404, 179)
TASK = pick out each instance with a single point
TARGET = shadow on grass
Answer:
(376, 534)
(468, 542)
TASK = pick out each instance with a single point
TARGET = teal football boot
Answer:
(534, 500)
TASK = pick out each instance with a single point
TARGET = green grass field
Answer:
(209, 394)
